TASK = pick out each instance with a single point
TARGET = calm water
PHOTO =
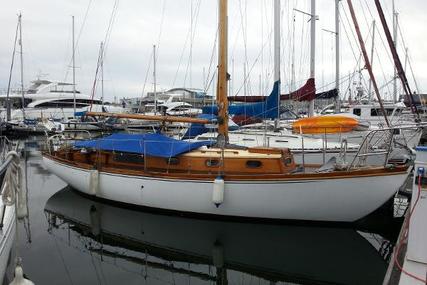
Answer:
(70, 239)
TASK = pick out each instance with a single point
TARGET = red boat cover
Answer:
(305, 93)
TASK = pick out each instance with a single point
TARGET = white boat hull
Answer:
(7, 238)
(334, 199)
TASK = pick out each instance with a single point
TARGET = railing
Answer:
(384, 142)
(378, 143)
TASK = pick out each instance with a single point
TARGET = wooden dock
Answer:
(408, 264)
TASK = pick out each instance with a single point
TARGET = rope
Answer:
(404, 237)
(11, 189)
(11, 182)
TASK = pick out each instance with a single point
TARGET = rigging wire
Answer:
(386, 48)
(358, 59)
(243, 22)
(255, 62)
(11, 71)
(376, 49)
(150, 58)
(181, 58)
(102, 51)
(78, 37)
(409, 59)
(145, 81)
(193, 26)
(213, 53)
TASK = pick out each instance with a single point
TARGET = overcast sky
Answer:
(185, 54)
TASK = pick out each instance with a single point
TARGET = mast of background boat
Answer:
(74, 69)
(102, 73)
(367, 61)
(222, 89)
(397, 62)
(8, 111)
(337, 56)
(293, 88)
(22, 65)
(277, 28)
(372, 58)
(154, 80)
(395, 76)
(312, 52)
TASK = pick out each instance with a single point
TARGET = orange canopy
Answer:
(330, 124)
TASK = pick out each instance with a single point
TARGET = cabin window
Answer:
(376, 112)
(128, 157)
(172, 160)
(253, 164)
(212, 163)
(287, 161)
(357, 111)
(389, 111)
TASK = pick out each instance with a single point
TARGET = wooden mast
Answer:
(222, 90)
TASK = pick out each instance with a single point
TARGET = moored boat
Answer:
(159, 172)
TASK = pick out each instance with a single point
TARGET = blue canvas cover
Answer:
(80, 114)
(263, 110)
(196, 129)
(147, 144)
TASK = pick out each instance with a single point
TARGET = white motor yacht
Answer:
(52, 100)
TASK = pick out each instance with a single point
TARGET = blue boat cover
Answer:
(263, 110)
(196, 129)
(80, 114)
(147, 144)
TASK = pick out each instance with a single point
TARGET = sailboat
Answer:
(152, 170)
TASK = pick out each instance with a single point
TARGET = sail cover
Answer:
(146, 144)
(263, 110)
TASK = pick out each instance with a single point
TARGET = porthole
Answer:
(287, 161)
(172, 161)
(212, 163)
(253, 163)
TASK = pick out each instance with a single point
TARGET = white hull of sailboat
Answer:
(344, 199)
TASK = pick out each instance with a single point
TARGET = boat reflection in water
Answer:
(214, 252)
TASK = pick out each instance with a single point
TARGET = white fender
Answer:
(19, 277)
(218, 191)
